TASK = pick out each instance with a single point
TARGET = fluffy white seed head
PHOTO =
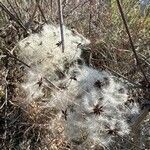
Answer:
(91, 102)
(43, 50)
(32, 86)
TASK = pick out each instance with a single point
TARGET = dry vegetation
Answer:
(30, 125)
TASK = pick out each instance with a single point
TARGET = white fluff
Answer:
(79, 91)
(40, 49)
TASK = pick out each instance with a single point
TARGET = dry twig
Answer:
(131, 42)
(61, 25)
(41, 11)
(12, 16)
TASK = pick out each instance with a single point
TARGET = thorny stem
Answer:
(130, 39)
(61, 24)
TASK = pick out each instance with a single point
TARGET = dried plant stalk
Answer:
(61, 24)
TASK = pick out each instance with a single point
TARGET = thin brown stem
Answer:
(130, 39)
(41, 11)
(7, 52)
(139, 119)
(32, 17)
(17, 16)
(129, 141)
(12, 16)
(123, 77)
(61, 24)
(72, 10)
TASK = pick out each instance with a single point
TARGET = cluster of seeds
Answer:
(91, 103)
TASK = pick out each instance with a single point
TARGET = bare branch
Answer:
(17, 16)
(7, 52)
(12, 16)
(130, 39)
(61, 24)
(12, 56)
(123, 77)
(41, 11)
(139, 119)
(32, 16)
(72, 10)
